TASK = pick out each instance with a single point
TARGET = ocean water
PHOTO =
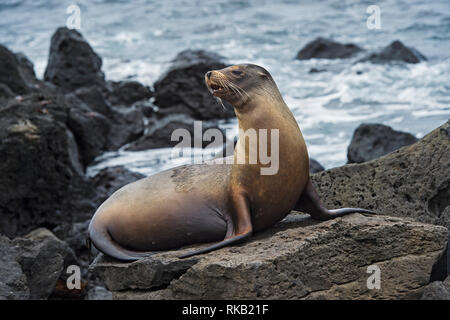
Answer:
(137, 40)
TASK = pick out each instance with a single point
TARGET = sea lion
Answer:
(204, 203)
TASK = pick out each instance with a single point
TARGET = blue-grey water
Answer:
(137, 40)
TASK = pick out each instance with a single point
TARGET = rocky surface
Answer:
(126, 93)
(39, 163)
(51, 130)
(72, 63)
(371, 141)
(97, 108)
(322, 48)
(17, 72)
(159, 133)
(182, 88)
(437, 290)
(413, 181)
(287, 261)
(43, 258)
(32, 265)
(299, 258)
(396, 51)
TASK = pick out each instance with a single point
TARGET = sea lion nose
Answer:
(208, 74)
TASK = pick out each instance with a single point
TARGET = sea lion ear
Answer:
(263, 75)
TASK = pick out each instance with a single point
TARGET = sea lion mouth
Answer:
(216, 87)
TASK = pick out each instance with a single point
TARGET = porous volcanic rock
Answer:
(182, 88)
(413, 181)
(299, 258)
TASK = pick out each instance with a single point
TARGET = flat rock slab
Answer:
(299, 258)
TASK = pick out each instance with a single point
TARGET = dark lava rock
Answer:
(315, 70)
(93, 97)
(315, 166)
(327, 49)
(39, 162)
(5, 94)
(126, 93)
(16, 72)
(128, 125)
(98, 127)
(72, 63)
(182, 88)
(99, 112)
(371, 141)
(111, 179)
(13, 282)
(90, 129)
(43, 258)
(160, 133)
(75, 235)
(396, 51)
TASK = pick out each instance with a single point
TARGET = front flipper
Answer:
(238, 231)
(309, 202)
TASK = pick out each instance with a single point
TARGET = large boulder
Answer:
(31, 266)
(43, 258)
(413, 181)
(371, 141)
(125, 93)
(39, 164)
(101, 113)
(299, 258)
(396, 51)
(16, 72)
(322, 48)
(72, 63)
(182, 88)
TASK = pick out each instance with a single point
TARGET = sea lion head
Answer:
(239, 84)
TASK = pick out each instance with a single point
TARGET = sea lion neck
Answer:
(264, 112)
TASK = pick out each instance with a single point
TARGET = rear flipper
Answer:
(310, 203)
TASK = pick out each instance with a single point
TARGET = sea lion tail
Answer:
(103, 241)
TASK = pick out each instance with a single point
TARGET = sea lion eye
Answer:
(237, 72)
